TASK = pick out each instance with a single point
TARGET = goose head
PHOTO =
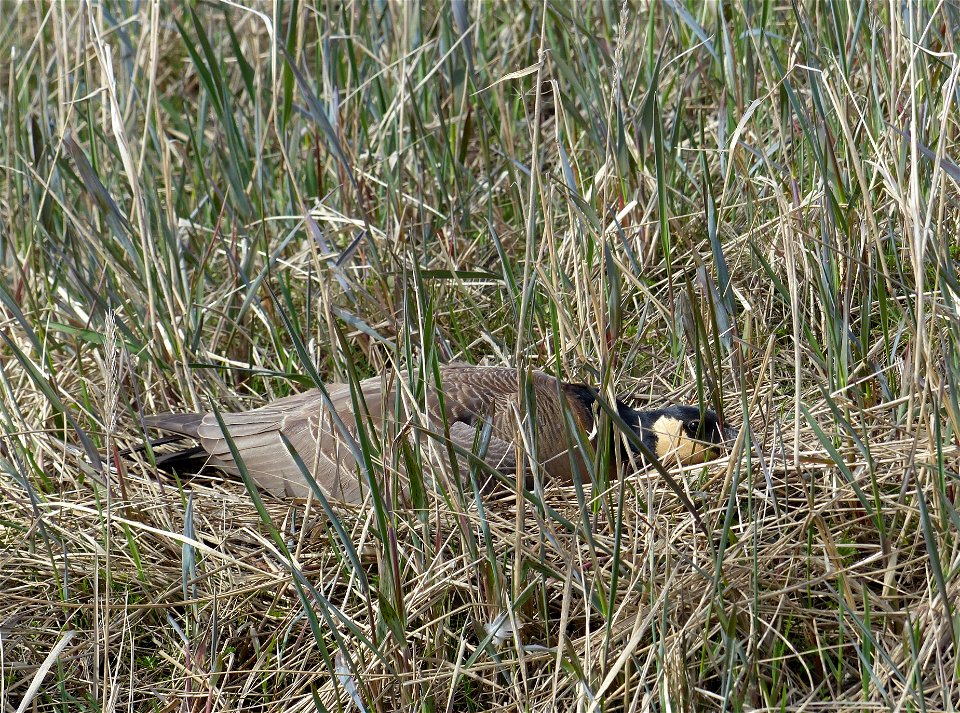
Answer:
(681, 433)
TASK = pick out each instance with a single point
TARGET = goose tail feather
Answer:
(184, 424)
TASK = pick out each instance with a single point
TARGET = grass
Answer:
(752, 205)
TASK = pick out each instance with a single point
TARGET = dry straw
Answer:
(748, 205)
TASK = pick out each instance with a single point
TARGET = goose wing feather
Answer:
(500, 454)
(306, 422)
(470, 394)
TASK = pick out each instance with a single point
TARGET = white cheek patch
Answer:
(673, 443)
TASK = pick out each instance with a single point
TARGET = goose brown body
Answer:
(471, 397)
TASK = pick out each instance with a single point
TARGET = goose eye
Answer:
(693, 427)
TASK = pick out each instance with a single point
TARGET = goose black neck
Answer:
(585, 399)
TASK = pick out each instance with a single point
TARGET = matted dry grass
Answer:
(756, 207)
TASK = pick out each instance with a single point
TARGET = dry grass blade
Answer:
(43, 670)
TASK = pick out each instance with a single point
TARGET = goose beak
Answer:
(730, 434)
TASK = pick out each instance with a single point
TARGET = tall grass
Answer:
(747, 205)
